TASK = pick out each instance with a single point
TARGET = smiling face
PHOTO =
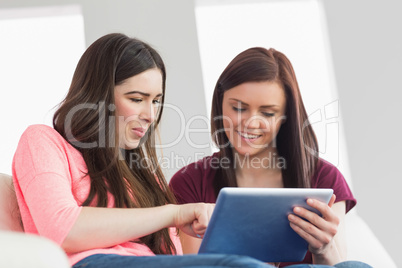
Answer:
(137, 101)
(252, 115)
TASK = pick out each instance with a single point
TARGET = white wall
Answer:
(367, 55)
(366, 42)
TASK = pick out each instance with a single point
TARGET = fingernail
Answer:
(297, 209)
(198, 235)
(310, 201)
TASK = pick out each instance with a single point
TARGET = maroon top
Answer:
(194, 183)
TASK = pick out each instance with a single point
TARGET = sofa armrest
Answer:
(25, 250)
(363, 245)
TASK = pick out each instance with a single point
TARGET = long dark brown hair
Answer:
(295, 141)
(85, 119)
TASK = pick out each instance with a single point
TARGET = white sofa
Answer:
(18, 249)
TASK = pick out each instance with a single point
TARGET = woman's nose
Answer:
(255, 122)
(148, 113)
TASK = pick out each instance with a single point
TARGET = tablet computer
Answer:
(253, 222)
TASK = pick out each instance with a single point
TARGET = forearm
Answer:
(105, 227)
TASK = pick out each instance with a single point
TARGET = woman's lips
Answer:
(248, 136)
(140, 132)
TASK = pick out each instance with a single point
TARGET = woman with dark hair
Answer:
(92, 183)
(261, 128)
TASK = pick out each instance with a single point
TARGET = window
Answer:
(39, 50)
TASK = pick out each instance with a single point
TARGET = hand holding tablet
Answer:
(254, 222)
(317, 231)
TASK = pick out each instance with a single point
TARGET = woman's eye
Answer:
(268, 114)
(156, 101)
(135, 100)
(238, 109)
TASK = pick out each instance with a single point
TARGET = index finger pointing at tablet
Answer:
(202, 214)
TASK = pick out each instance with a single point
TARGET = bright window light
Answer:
(39, 50)
(296, 28)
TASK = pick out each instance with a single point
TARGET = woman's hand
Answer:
(318, 231)
(193, 219)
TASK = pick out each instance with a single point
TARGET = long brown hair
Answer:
(295, 141)
(85, 119)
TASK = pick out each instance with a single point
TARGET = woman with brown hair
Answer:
(92, 183)
(261, 128)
